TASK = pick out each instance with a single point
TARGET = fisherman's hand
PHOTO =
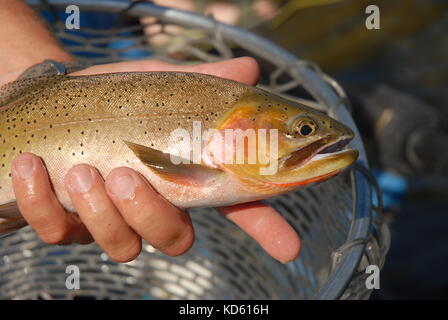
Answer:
(122, 209)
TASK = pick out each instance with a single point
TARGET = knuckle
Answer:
(138, 217)
(176, 243)
(30, 202)
(108, 237)
(141, 212)
(126, 253)
(58, 236)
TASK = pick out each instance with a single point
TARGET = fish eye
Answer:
(305, 128)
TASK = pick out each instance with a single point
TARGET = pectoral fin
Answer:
(190, 174)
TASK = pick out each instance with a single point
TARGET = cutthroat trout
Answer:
(182, 131)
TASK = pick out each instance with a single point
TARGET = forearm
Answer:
(24, 40)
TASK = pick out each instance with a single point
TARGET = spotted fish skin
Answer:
(85, 119)
(127, 119)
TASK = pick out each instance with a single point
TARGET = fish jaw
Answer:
(318, 168)
(316, 161)
(317, 150)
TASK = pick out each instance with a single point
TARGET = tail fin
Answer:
(10, 218)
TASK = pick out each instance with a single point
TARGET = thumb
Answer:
(245, 69)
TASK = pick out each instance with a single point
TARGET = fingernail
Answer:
(82, 179)
(123, 186)
(25, 168)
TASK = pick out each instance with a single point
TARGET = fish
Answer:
(180, 130)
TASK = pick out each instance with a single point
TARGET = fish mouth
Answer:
(318, 150)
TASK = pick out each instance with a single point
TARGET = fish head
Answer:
(295, 145)
(261, 145)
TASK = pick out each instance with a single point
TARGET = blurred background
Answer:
(397, 80)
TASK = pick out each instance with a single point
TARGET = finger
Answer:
(164, 226)
(39, 205)
(87, 191)
(267, 227)
(245, 69)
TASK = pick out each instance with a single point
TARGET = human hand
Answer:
(123, 209)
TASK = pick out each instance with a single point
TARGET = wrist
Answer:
(25, 40)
